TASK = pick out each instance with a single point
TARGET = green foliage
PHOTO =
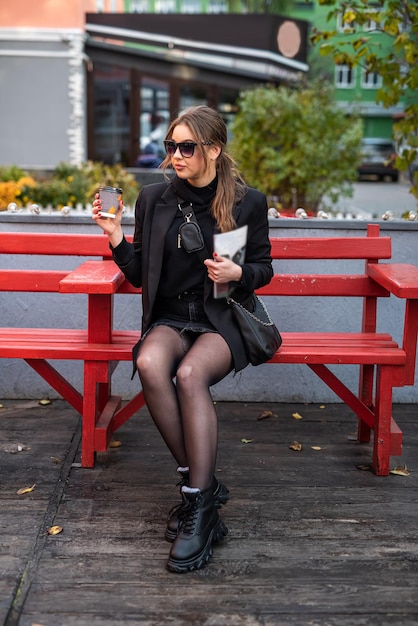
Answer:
(396, 61)
(296, 145)
(114, 176)
(11, 173)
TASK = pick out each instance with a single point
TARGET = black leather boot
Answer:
(200, 527)
(220, 494)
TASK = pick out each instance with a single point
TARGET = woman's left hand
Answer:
(222, 270)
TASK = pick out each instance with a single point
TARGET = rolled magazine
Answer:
(230, 245)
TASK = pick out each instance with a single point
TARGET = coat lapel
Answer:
(236, 212)
(163, 216)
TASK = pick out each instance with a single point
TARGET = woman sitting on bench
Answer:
(187, 334)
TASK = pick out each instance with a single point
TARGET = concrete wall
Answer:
(278, 383)
(43, 105)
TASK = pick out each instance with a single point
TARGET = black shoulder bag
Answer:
(259, 333)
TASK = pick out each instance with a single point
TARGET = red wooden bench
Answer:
(383, 364)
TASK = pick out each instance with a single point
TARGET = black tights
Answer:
(183, 409)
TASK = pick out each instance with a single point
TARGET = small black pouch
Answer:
(191, 237)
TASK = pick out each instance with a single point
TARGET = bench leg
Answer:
(383, 419)
(96, 394)
(366, 396)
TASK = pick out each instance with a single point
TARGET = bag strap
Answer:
(257, 319)
(189, 216)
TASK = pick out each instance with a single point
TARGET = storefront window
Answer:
(191, 95)
(126, 135)
(154, 120)
(111, 114)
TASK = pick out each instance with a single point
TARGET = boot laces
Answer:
(178, 509)
(190, 516)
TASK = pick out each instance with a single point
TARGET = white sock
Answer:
(186, 489)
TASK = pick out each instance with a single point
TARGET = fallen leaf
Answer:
(316, 447)
(247, 440)
(322, 406)
(296, 416)
(364, 468)
(23, 490)
(265, 414)
(352, 437)
(115, 444)
(55, 530)
(400, 471)
(14, 447)
(295, 445)
(44, 402)
(56, 460)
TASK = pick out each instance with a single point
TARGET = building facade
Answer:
(354, 87)
(94, 79)
(91, 80)
(43, 78)
(146, 68)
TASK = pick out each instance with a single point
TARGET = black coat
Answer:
(141, 262)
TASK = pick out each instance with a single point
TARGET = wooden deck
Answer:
(314, 538)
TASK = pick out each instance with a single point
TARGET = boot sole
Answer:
(218, 533)
(221, 496)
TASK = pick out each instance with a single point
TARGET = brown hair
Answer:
(207, 125)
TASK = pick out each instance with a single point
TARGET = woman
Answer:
(189, 339)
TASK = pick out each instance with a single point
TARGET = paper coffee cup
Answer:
(110, 197)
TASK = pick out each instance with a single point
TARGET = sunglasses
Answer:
(186, 147)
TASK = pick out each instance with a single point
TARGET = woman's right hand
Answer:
(110, 225)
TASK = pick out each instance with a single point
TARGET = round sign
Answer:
(289, 39)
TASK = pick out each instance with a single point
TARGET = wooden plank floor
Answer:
(313, 539)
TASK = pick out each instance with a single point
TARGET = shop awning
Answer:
(265, 48)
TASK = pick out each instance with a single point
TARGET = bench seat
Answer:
(51, 343)
(73, 344)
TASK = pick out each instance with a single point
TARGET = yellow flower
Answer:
(8, 193)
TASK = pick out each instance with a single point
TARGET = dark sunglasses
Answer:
(186, 147)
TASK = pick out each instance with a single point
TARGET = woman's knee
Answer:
(147, 365)
(189, 377)
(156, 364)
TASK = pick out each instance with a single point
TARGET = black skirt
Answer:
(184, 313)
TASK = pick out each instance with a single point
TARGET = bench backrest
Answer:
(371, 249)
(62, 244)
(42, 244)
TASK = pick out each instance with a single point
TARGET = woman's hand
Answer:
(110, 225)
(222, 270)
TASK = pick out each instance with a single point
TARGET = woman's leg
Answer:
(160, 353)
(207, 362)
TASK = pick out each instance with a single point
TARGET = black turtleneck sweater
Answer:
(183, 271)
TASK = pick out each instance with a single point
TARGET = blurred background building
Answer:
(95, 79)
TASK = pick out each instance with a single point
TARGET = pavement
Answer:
(372, 199)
